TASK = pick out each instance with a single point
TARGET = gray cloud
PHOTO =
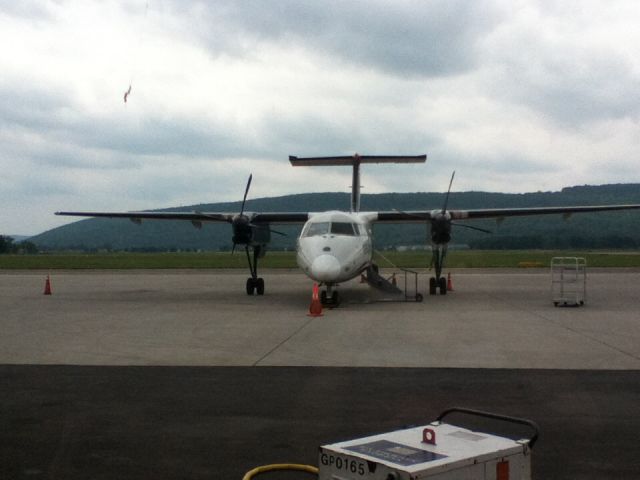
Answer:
(33, 10)
(574, 91)
(400, 38)
(564, 70)
(593, 90)
(507, 94)
(28, 105)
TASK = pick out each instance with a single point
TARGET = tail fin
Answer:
(355, 161)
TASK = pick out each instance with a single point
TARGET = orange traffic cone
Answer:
(47, 286)
(449, 283)
(315, 309)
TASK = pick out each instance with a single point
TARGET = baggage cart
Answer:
(568, 281)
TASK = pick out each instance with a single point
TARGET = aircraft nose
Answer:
(325, 268)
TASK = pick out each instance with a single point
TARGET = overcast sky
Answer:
(515, 95)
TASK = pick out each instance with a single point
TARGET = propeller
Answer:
(444, 209)
(441, 222)
(242, 224)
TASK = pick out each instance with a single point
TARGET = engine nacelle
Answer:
(247, 233)
(242, 230)
(441, 228)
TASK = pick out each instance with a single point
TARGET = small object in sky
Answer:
(126, 94)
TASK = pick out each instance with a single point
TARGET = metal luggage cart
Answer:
(409, 297)
(568, 281)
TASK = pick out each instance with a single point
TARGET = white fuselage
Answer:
(334, 246)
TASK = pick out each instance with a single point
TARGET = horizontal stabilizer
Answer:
(354, 159)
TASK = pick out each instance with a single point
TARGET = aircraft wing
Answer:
(198, 217)
(417, 216)
(517, 212)
(397, 216)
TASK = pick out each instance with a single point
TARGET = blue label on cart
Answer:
(395, 453)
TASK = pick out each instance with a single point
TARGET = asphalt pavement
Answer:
(77, 422)
(180, 375)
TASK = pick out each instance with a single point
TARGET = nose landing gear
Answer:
(329, 297)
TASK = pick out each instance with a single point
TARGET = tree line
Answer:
(9, 246)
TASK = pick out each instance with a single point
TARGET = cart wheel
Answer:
(555, 304)
(419, 297)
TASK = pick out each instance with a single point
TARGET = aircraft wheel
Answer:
(251, 286)
(260, 286)
(335, 298)
(323, 297)
(443, 285)
(432, 286)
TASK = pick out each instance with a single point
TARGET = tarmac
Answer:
(180, 374)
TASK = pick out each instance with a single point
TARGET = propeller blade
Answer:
(246, 192)
(265, 227)
(421, 217)
(446, 199)
(471, 227)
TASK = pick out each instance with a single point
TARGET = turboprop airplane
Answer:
(337, 246)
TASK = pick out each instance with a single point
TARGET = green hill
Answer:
(603, 230)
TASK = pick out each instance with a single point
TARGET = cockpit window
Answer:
(320, 228)
(342, 228)
(335, 228)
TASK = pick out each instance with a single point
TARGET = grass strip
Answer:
(420, 259)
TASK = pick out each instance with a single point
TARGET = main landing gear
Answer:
(437, 260)
(437, 283)
(254, 283)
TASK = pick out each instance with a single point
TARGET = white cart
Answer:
(568, 281)
(437, 451)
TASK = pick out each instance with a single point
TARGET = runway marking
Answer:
(302, 327)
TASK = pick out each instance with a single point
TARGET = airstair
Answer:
(391, 286)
